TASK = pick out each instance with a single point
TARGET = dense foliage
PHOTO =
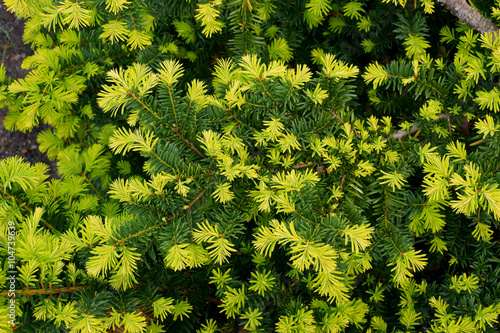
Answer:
(254, 165)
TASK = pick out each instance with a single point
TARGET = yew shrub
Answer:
(255, 166)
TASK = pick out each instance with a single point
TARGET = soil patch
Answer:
(13, 51)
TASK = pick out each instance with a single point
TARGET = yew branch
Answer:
(401, 133)
(32, 292)
(189, 143)
(470, 16)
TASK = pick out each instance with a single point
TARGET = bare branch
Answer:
(401, 134)
(31, 292)
(470, 16)
(319, 169)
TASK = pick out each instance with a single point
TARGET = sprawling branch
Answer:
(319, 169)
(470, 16)
(401, 133)
(32, 292)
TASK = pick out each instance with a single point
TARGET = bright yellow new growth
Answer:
(170, 72)
(75, 15)
(223, 193)
(207, 13)
(116, 6)
(405, 263)
(393, 179)
(375, 73)
(359, 236)
(334, 68)
(304, 254)
(253, 67)
(220, 248)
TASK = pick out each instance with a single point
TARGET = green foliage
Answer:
(251, 165)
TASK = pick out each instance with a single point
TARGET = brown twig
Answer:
(188, 206)
(470, 16)
(189, 143)
(32, 292)
(342, 182)
(319, 169)
(194, 201)
(303, 165)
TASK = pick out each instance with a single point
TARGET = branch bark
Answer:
(401, 134)
(31, 292)
(470, 16)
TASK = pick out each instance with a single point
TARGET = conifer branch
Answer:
(144, 106)
(189, 143)
(161, 160)
(256, 105)
(343, 122)
(456, 235)
(172, 103)
(88, 180)
(33, 292)
(48, 225)
(342, 181)
(402, 133)
(23, 205)
(145, 207)
(267, 91)
(194, 200)
(319, 169)
(303, 165)
(296, 181)
(151, 228)
(188, 206)
(137, 234)
(470, 16)
(374, 245)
